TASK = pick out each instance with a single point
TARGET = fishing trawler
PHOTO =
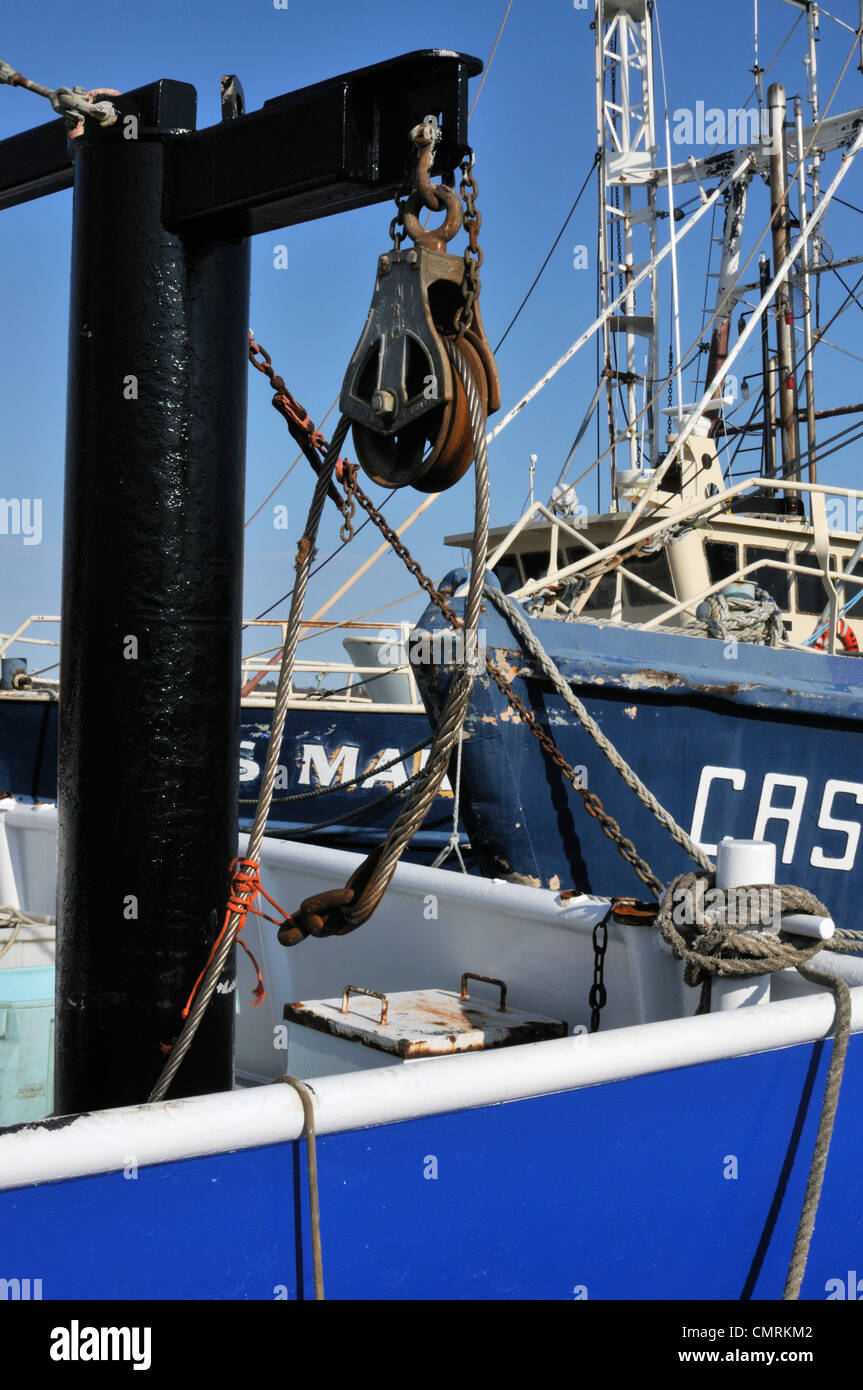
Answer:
(706, 621)
(357, 734)
(424, 1052)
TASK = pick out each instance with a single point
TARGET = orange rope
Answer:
(245, 887)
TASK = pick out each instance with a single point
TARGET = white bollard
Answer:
(740, 863)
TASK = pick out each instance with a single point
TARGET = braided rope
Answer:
(306, 1095)
(757, 620)
(534, 648)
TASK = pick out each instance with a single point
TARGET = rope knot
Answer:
(245, 885)
(734, 932)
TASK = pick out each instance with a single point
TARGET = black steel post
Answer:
(152, 574)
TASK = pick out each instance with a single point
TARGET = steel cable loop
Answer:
(305, 553)
(535, 650)
(461, 684)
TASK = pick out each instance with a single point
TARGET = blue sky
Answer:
(533, 132)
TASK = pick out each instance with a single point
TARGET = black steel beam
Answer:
(338, 145)
(327, 148)
(150, 645)
(39, 161)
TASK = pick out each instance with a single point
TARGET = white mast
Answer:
(626, 140)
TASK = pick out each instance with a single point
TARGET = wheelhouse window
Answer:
(811, 594)
(723, 560)
(604, 594)
(507, 573)
(775, 581)
(534, 563)
(654, 570)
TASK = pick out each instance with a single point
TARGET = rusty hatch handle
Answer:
(486, 980)
(373, 994)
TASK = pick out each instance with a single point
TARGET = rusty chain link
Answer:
(347, 472)
(473, 256)
(592, 803)
(299, 422)
(397, 222)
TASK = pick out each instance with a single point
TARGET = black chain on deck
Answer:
(598, 995)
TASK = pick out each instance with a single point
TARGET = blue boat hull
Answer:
(733, 740)
(620, 1191)
(319, 746)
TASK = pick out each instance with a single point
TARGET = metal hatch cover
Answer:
(424, 1022)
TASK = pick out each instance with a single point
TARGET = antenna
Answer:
(756, 69)
(626, 139)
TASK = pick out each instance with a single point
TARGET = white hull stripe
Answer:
(174, 1130)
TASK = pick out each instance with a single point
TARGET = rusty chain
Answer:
(314, 444)
(286, 404)
(397, 222)
(347, 472)
(592, 803)
(473, 255)
(411, 565)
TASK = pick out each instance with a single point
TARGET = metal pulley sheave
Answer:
(411, 423)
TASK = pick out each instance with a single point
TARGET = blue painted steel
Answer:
(679, 1185)
(28, 748)
(28, 767)
(673, 706)
(369, 739)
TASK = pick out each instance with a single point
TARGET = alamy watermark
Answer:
(22, 516)
(726, 907)
(709, 125)
(443, 648)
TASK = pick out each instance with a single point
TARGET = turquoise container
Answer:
(26, 1044)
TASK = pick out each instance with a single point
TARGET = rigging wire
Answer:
(554, 246)
(286, 475)
(846, 204)
(319, 567)
(663, 385)
(845, 287)
(490, 59)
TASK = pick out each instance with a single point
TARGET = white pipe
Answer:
(675, 295)
(704, 504)
(174, 1130)
(808, 924)
(739, 864)
(612, 308)
(754, 321)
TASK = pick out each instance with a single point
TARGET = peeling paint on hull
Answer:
(773, 753)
